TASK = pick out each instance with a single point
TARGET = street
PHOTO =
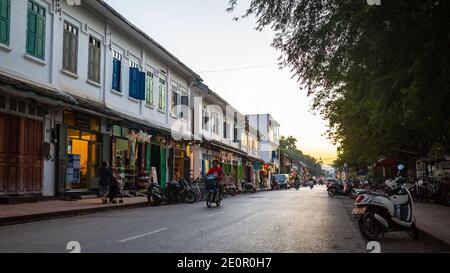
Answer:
(275, 221)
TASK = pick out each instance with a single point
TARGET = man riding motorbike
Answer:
(218, 172)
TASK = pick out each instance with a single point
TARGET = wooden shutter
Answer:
(134, 82)
(186, 168)
(66, 50)
(91, 67)
(61, 160)
(148, 157)
(5, 17)
(170, 160)
(163, 163)
(73, 52)
(97, 60)
(3, 152)
(116, 74)
(141, 86)
(40, 37)
(31, 33)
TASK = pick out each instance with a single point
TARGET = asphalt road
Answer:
(287, 221)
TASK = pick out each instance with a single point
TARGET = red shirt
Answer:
(216, 170)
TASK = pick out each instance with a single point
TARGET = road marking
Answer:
(142, 235)
(215, 214)
(248, 205)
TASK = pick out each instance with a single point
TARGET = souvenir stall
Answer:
(130, 149)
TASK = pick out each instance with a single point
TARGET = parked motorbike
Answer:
(229, 189)
(198, 190)
(337, 189)
(183, 192)
(156, 195)
(248, 186)
(297, 184)
(386, 212)
(212, 193)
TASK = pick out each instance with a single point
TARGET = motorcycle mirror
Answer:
(401, 167)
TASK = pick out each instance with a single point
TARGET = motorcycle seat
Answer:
(374, 193)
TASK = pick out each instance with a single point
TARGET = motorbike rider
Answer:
(218, 172)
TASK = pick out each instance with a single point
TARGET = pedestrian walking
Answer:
(106, 178)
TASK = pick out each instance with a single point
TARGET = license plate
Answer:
(357, 211)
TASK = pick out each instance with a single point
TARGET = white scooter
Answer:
(386, 212)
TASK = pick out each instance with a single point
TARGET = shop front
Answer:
(21, 147)
(136, 158)
(180, 160)
(84, 150)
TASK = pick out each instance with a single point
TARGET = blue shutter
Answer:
(134, 82)
(141, 86)
(116, 75)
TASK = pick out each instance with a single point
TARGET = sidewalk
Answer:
(434, 220)
(29, 212)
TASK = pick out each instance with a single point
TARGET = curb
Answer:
(440, 241)
(7, 221)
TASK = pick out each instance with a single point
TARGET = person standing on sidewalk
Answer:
(106, 177)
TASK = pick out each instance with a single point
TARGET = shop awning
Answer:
(226, 147)
(256, 159)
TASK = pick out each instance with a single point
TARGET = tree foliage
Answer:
(288, 145)
(380, 75)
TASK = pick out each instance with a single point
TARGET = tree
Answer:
(378, 74)
(289, 146)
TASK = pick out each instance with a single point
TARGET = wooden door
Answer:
(3, 153)
(21, 163)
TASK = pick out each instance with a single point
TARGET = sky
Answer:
(204, 37)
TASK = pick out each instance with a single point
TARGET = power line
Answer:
(237, 69)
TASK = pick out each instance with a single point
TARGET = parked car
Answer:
(282, 180)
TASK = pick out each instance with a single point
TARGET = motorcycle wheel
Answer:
(189, 197)
(331, 192)
(154, 201)
(209, 199)
(233, 192)
(414, 233)
(370, 228)
(253, 190)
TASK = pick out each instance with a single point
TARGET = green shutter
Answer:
(73, 53)
(163, 161)
(148, 155)
(36, 30)
(5, 18)
(31, 33)
(66, 53)
(97, 59)
(40, 37)
(91, 73)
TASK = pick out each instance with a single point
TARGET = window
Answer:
(226, 129)
(5, 18)
(117, 71)
(94, 59)
(136, 82)
(36, 30)
(70, 48)
(215, 125)
(184, 101)
(149, 88)
(134, 64)
(162, 94)
(175, 100)
(205, 115)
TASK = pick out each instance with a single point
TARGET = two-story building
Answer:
(269, 129)
(80, 85)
